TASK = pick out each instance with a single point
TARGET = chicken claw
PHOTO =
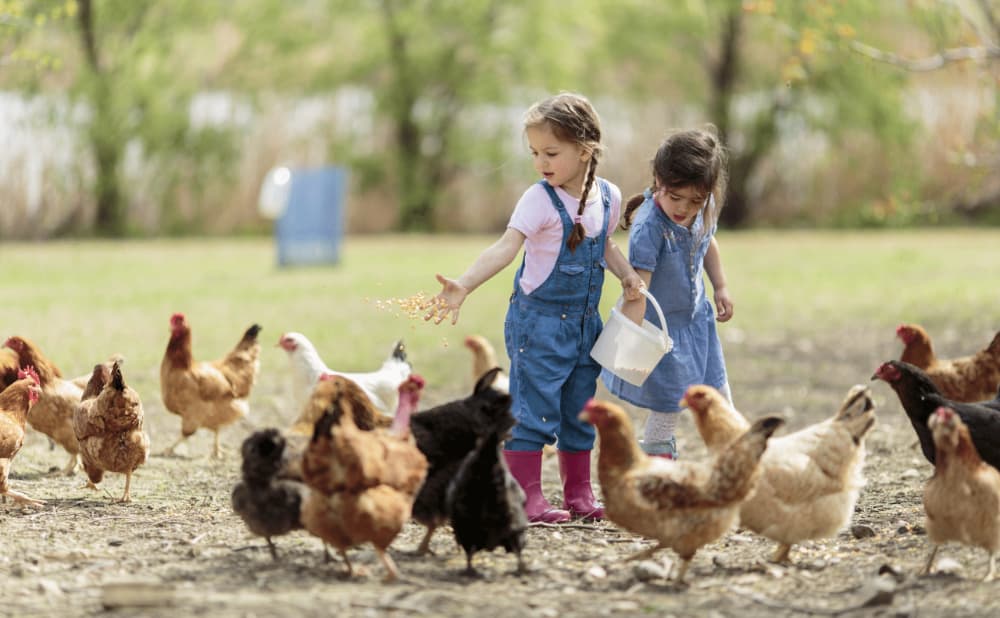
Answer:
(20, 498)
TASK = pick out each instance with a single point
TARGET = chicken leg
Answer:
(20, 498)
(169, 452)
(74, 462)
(425, 545)
(391, 572)
(930, 561)
(646, 553)
(781, 553)
(991, 573)
(127, 497)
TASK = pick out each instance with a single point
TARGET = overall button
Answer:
(563, 316)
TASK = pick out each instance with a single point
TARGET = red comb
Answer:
(28, 372)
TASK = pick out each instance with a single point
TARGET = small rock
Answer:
(861, 531)
(903, 527)
(624, 607)
(115, 542)
(50, 587)
(647, 570)
(948, 566)
(910, 473)
(597, 572)
(549, 612)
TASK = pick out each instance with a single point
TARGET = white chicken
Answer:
(381, 385)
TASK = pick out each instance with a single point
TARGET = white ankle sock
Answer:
(660, 426)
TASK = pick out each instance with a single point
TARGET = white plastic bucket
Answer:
(631, 351)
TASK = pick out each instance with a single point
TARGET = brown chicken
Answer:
(484, 358)
(353, 401)
(207, 394)
(967, 379)
(108, 425)
(53, 414)
(362, 483)
(10, 364)
(15, 402)
(962, 499)
(810, 480)
(682, 505)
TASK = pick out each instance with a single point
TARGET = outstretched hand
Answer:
(447, 302)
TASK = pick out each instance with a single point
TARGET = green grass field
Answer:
(81, 301)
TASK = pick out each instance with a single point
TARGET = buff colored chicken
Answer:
(962, 499)
(683, 505)
(362, 484)
(810, 480)
(968, 379)
(208, 394)
(484, 358)
(53, 414)
(15, 402)
(108, 426)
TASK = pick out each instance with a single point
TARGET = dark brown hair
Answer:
(690, 158)
(571, 118)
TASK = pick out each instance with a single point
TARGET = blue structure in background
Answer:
(311, 228)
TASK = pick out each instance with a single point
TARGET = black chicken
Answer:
(445, 435)
(269, 506)
(485, 503)
(920, 398)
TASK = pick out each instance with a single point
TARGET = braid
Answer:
(576, 237)
(633, 202)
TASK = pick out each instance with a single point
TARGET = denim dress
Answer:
(675, 256)
(548, 335)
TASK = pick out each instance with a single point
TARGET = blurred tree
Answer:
(757, 68)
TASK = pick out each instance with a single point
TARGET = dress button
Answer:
(520, 349)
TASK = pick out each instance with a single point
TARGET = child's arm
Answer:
(713, 266)
(492, 260)
(619, 265)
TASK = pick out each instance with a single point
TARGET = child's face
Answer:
(562, 164)
(681, 204)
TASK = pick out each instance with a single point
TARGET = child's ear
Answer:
(585, 154)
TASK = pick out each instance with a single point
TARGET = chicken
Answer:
(10, 364)
(108, 425)
(362, 484)
(969, 378)
(920, 398)
(53, 414)
(682, 505)
(207, 394)
(269, 506)
(446, 434)
(484, 358)
(485, 503)
(810, 480)
(381, 385)
(962, 499)
(15, 402)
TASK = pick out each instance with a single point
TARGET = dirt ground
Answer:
(178, 549)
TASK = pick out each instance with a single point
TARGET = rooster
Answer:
(810, 480)
(484, 358)
(682, 505)
(15, 402)
(380, 385)
(962, 499)
(269, 506)
(108, 426)
(920, 398)
(362, 484)
(969, 378)
(53, 414)
(207, 394)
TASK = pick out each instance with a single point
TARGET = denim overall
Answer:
(548, 334)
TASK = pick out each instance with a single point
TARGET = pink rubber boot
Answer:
(526, 466)
(578, 496)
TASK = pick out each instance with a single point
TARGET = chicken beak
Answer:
(583, 416)
(683, 402)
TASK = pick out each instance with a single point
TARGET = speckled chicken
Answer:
(682, 505)
(108, 423)
(269, 506)
(969, 378)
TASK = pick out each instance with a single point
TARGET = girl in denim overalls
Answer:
(671, 245)
(553, 319)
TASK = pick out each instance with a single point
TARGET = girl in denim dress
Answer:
(553, 317)
(671, 245)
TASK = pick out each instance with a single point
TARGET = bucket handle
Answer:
(656, 305)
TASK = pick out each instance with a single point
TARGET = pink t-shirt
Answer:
(536, 217)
